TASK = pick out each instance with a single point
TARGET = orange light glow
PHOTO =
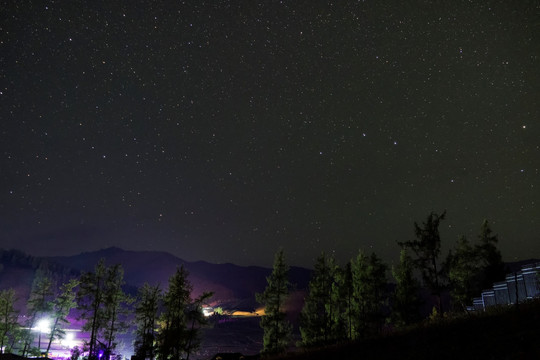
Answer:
(258, 312)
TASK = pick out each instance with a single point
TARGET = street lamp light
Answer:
(69, 340)
(43, 326)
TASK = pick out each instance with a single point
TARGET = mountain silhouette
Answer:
(230, 283)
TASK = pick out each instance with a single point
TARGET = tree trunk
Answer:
(52, 334)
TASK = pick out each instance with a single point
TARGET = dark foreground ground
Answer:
(231, 335)
(507, 333)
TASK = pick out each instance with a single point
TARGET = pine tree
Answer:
(115, 309)
(317, 313)
(493, 268)
(277, 330)
(196, 319)
(406, 298)
(145, 317)
(463, 267)
(427, 248)
(8, 320)
(38, 308)
(91, 304)
(342, 301)
(60, 308)
(172, 337)
(369, 294)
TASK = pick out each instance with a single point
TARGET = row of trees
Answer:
(167, 323)
(464, 272)
(344, 302)
(41, 303)
(354, 301)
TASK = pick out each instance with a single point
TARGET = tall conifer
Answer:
(103, 306)
(8, 320)
(493, 266)
(38, 308)
(369, 294)
(145, 318)
(463, 267)
(116, 304)
(427, 248)
(316, 318)
(342, 301)
(277, 330)
(406, 297)
(60, 308)
(172, 337)
(91, 304)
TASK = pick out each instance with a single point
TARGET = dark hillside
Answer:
(502, 333)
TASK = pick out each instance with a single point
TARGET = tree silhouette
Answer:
(196, 317)
(172, 336)
(38, 306)
(463, 268)
(369, 294)
(90, 302)
(493, 267)
(406, 298)
(8, 320)
(427, 248)
(342, 300)
(60, 308)
(316, 316)
(145, 318)
(277, 330)
(115, 309)
(102, 305)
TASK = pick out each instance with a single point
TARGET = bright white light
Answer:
(208, 311)
(69, 341)
(43, 326)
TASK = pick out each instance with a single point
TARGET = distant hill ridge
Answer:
(231, 284)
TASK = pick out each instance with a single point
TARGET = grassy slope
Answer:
(499, 334)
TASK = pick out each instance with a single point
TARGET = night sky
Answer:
(224, 130)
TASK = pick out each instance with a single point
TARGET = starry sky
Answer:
(225, 130)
